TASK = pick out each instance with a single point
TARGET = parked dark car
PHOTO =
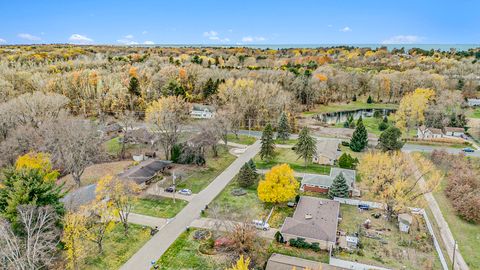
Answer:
(170, 189)
(468, 150)
(364, 206)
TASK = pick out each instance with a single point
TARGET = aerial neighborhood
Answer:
(222, 150)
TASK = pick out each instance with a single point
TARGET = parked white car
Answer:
(261, 225)
(185, 191)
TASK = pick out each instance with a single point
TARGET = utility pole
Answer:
(174, 186)
(453, 259)
(249, 126)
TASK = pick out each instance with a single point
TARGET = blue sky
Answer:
(239, 22)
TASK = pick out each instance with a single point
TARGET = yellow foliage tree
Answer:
(37, 161)
(100, 222)
(396, 181)
(73, 233)
(279, 185)
(411, 111)
(120, 195)
(241, 264)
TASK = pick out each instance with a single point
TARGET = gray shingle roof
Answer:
(321, 223)
(327, 180)
(284, 262)
(79, 197)
(328, 148)
(145, 171)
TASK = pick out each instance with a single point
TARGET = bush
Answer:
(369, 100)
(346, 161)
(383, 126)
(345, 143)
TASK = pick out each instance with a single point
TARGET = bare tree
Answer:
(127, 120)
(222, 125)
(35, 247)
(74, 144)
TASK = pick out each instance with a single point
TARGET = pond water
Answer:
(337, 117)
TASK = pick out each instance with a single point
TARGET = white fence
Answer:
(359, 202)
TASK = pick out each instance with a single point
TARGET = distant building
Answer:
(455, 132)
(473, 102)
(425, 133)
(404, 222)
(314, 220)
(202, 111)
(321, 183)
(327, 152)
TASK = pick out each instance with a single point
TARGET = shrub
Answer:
(382, 126)
(346, 161)
(369, 100)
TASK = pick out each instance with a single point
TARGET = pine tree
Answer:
(283, 129)
(306, 146)
(253, 167)
(339, 188)
(360, 137)
(390, 139)
(246, 176)
(369, 100)
(267, 150)
(346, 161)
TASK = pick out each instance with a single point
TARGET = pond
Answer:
(337, 117)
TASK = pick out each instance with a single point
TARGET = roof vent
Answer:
(308, 216)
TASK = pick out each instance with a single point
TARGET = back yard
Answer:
(384, 245)
(158, 206)
(287, 155)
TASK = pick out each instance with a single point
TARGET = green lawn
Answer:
(289, 141)
(113, 146)
(371, 124)
(467, 234)
(474, 113)
(235, 207)
(200, 177)
(321, 256)
(117, 248)
(242, 139)
(158, 207)
(354, 105)
(389, 247)
(286, 155)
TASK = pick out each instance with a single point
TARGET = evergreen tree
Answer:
(267, 150)
(246, 176)
(390, 139)
(384, 124)
(354, 98)
(346, 161)
(283, 129)
(360, 137)
(369, 100)
(253, 167)
(210, 88)
(306, 146)
(339, 188)
(349, 123)
(133, 90)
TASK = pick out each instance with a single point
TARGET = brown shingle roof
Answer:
(454, 129)
(321, 224)
(284, 262)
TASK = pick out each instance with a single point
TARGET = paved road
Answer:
(160, 242)
(428, 148)
(445, 232)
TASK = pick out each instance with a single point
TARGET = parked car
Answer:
(185, 191)
(291, 204)
(170, 189)
(468, 150)
(261, 225)
(364, 206)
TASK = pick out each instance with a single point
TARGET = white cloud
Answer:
(252, 39)
(225, 40)
(210, 34)
(144, 32)
(28, 37)
(148, 42)
(2, 41)
(129, 36)
(346, 29)
(214, 38)
(77, 38)
(401, 39)
(127, 42)
(329, 25)
(213, 35)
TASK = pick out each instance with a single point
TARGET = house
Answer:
(404, 222)
(327, 152)
(321, 183)
(473, 102)
(455, 132)
(425, 133)
(284, 262)
(144, 172)
(314, 220)
(79, 197)
(202, 111)
(111, 129)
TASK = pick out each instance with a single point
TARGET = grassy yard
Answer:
(158, 207)
(371, 124)
(321, 256)
(117, 248)
(199, 177)
(467, 234)
(234, 207)
(242, 139)
(474, 113)
(354, 105)
(288, 142)
(285, 155)
(384, 245)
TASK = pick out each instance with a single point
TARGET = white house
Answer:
(404, 222)
(202, 111)
(425, 133)
(455, 132)
(472, 102)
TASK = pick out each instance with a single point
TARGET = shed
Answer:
(404, 222)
